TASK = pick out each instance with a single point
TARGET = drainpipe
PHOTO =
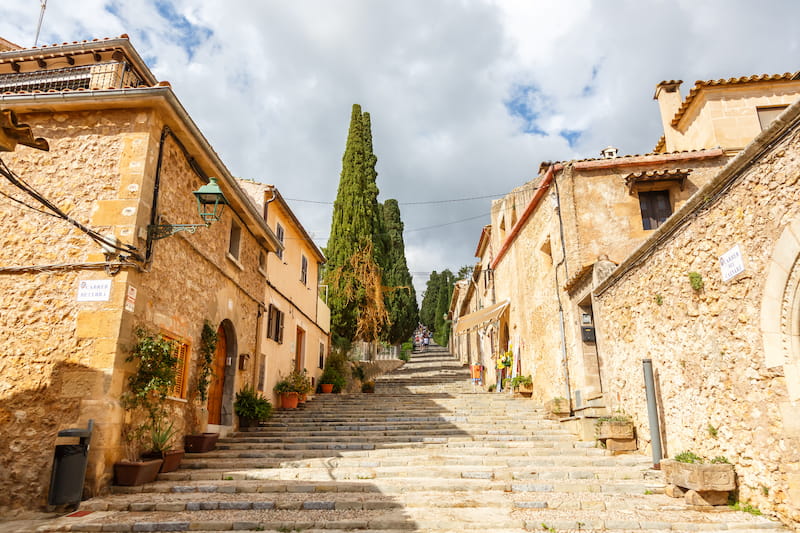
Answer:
(652, 412)
(564, 357)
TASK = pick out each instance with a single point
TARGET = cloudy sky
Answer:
(467, 97)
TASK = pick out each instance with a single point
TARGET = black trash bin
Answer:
(69, 467)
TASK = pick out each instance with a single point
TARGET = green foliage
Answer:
(688, 457)
(337, 367)
(148, 387)
(283, 386)
(696, 281)
(162, 435)
(155, 374)
(250, 404)
(400, 296)
(300, 381)
(720, 460)
(659, 299)
(208, 346)
(745, 508)
(405, 355)
(521, 380)
(356, 240)
(712, 431)
(436, 303)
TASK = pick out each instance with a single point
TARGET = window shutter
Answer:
(182, 353)
(280, 325)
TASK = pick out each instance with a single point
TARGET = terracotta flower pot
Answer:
(327, 388)
(136, 472)
(203, 442)
(289, 400)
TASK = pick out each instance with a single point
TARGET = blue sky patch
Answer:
(525, 103)
(189, 36)
(571, 136)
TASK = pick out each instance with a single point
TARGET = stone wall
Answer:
(63, 362)
(718, 394)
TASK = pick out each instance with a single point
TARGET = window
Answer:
(182, 353)
(655, 208)
(275, 324)
(767, 114)
(235, 241)
(321, 363)
(279, 233)
(262, 262)
(303, 270)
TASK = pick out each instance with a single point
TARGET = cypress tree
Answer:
(401, 298)
(353, 273)
(427, 312)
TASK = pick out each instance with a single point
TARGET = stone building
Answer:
(298, 319)
(556, 237)
(712, 297)
(98, 240)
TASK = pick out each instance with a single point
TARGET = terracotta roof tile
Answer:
(678, 174)
(661, 145)
(700, 85)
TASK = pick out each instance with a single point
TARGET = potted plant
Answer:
(332, 380)
(251, 407)
(522, 385)
(162, 436)
(301, 384)
(368, 386)
(285, 389)
(143, 401)
(614, 427)
(199, 441)
(691, 471)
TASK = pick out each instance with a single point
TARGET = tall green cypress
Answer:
(427, 312)
(401, 298)
(353, 272)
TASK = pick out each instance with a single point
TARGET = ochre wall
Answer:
(63, 362)
(719, 392)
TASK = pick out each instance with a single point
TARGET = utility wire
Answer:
(431, 202)
(18, 182)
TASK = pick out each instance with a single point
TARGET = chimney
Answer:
(668, 95)
(609, 152)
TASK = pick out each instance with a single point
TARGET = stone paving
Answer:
(426, 452)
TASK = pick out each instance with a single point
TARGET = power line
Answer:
(429, 202)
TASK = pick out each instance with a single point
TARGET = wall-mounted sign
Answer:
(94, 290)
(130, 299)
(731, 264)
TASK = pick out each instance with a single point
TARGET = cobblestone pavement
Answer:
(426, 452)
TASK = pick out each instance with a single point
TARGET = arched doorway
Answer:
(220, 390)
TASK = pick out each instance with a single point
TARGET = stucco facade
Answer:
(293, 290)
(726, 356)
(121, 159)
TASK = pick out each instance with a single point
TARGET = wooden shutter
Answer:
(655, 208)
(182, 353)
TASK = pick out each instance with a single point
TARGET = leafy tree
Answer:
(400, 297)
(356, 245)
(465, 272)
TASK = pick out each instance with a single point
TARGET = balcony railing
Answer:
(110, 75)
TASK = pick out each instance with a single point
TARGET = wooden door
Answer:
(300, 350)
(217, 384)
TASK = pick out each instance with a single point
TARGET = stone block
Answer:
(700, 477)
(621, 445)
(674, 491)
(706, 497)
(610, 429)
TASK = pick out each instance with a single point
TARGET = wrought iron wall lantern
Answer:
(210, 203)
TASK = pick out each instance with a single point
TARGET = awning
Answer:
(480, 317)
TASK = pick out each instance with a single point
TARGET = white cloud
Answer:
(271, 84)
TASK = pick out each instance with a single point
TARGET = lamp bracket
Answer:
(162, 231)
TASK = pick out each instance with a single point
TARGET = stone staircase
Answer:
(426, 452)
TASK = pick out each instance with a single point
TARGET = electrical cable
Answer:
(18, 182)
(432, 202)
